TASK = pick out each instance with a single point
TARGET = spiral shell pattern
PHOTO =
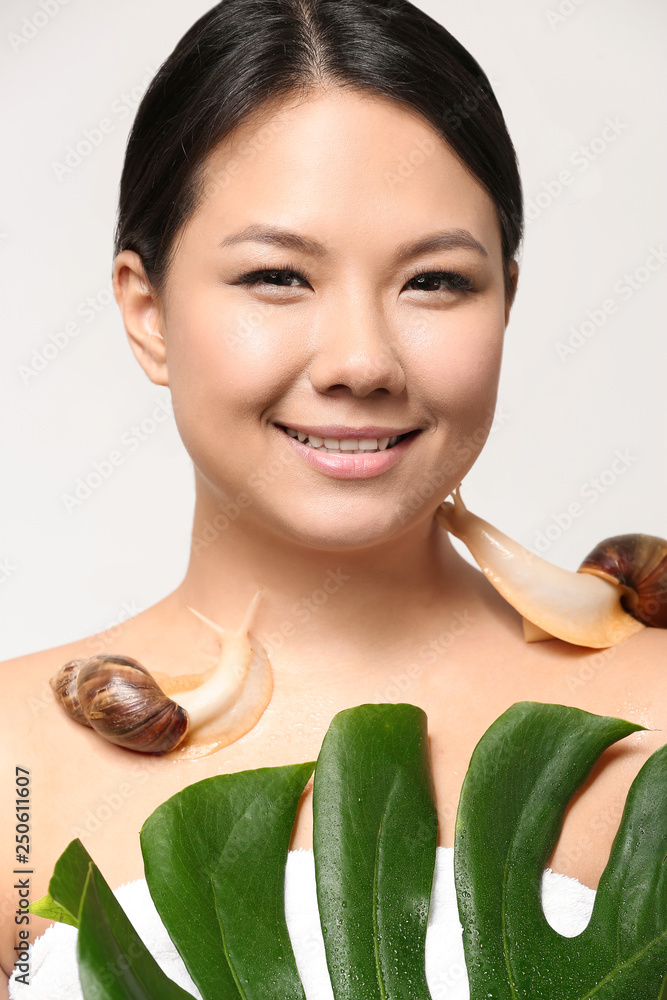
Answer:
(121, 701)
(638, 563)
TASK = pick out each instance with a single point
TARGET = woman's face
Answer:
(299, 297)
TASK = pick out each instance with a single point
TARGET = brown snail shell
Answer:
(121, 701)
(64, 687)
(638, 563)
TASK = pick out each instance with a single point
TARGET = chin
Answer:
(349, 530)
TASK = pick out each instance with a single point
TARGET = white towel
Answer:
(54, 976)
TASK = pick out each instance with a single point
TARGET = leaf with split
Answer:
(374, 840)
(522, 774)
(215, 857)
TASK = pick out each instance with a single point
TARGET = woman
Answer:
(342, 266)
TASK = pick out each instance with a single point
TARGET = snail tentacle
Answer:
(216, 694)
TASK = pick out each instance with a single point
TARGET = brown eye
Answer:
(443, 281)
(280, 277)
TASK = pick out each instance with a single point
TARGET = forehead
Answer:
(352, 165)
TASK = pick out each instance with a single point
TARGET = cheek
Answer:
(224, 357)
(225, 365)
(457, 363)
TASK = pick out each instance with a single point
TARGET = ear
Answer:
(514, 280)
(142, 315)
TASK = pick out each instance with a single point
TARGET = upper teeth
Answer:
(343, 444)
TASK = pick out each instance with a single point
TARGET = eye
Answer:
(446, 280)
(278, 276)
(285, 277)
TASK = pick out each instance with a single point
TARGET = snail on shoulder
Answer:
(187, 716)
(619, 589)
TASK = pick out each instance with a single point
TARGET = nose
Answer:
(356, 349)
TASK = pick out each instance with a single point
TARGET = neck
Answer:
(337, 602)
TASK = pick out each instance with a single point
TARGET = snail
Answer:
(619, 589)
(187, 716)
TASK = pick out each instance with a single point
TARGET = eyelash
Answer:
(455, 281)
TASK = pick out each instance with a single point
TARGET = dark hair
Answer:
(243, 54)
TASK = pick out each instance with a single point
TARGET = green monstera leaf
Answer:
(375, 830)
(217, 852)
(63, 900)
(114, 963)
(521, 777)
(215, 856)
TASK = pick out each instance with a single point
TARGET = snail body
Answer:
(619, 589)
(189, 716)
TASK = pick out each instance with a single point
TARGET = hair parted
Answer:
(244, 55)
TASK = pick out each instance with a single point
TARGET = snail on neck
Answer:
(186, 716)
(619, 589)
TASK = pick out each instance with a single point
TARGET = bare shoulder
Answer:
(647, 648)
(26, 678)
(27, 716)
(43, 750)
(30, 716)
(636, 671)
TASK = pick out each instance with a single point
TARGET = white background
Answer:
(558, 76)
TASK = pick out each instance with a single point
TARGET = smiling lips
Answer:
(334, 450)
(335, 439)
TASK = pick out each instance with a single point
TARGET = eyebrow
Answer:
(445, 239)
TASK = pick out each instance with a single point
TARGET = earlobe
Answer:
(142, 315)
(514, 280)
